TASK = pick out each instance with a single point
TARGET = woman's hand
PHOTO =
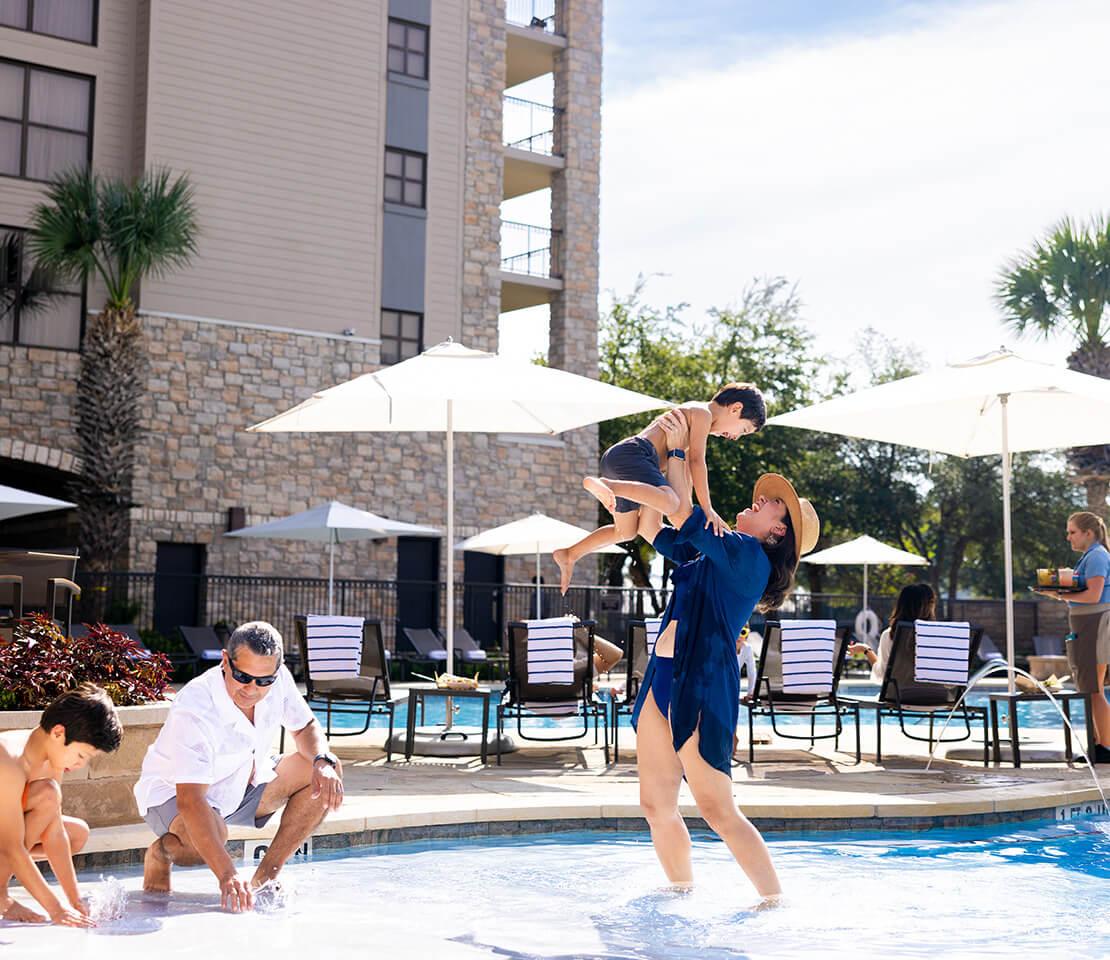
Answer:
(673, 425)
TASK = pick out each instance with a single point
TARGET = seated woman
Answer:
(689, 700)
(916, 602)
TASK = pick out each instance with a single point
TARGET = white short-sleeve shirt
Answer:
(207, 739)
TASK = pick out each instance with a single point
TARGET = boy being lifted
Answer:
(73, 729)
(632, 474)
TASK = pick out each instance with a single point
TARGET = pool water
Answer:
(1039, 890)
(1035, 714)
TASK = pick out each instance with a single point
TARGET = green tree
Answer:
(1062, 284)
(120, 231)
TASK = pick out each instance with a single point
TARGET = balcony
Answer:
(529, 265)
(529, 133)
(533, 38)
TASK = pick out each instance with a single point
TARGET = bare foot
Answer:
(17, 913)
(156, 869)
(769, 902)
(566, 568)
(600, 489)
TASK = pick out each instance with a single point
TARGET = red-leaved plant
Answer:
(39, 664)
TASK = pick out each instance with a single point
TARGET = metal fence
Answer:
(151, 600)
(530, 126)
(540, 14)
(528, 249)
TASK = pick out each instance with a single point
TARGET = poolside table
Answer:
(417, 695)
(1013, 699)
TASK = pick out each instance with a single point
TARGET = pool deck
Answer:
(568, 786)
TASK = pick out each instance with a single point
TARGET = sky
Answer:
(887, 157)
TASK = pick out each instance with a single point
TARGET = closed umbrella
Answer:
(452, 388)
(865, 551)
(996, 404)
(537, 534)
(20, 503)
(333, 523)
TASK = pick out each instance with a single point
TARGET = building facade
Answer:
(350, 162)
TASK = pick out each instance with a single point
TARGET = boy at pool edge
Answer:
(73, 729)
(632, 470)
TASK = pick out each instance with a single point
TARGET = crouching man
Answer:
(72, 730)
(211, 767)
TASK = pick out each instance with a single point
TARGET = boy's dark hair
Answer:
(88, 715)
(747, 394)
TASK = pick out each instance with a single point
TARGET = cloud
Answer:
(891, 175)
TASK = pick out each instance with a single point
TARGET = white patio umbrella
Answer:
(333, 523)
(451, 388)
(866, 552)
(537, 534)
(995, 404)
(20, 503)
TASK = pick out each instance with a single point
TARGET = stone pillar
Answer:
(482, 194)
(574, 191)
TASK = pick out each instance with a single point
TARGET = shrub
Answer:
(39, 664)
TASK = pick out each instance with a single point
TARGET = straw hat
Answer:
(803, 518)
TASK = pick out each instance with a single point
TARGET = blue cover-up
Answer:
(716, 588)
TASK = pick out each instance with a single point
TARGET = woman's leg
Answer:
(1100, 708)
(713, 794)
(660, 776)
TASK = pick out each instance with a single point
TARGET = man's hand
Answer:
(235, 894)
(68, 917)
(717, 522)
(327, 781)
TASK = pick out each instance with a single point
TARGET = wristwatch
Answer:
(327, 758)
(680, 454)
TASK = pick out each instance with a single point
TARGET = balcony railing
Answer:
(530, 126)
(529, 250)
(539, 14)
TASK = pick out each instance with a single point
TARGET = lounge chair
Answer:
(905, 694)
(466, 647)
(1048, 658)
(988, 651)
(800, 678)
(639, 639)
(363, 690)
(203, 643)
(45, 582)
(1048, 647)
(551, 673)
(424, 647)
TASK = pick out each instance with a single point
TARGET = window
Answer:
(45, 120)
(404, 177)
(35, 310)
(402, 335)
(408, 49)
(67, 19)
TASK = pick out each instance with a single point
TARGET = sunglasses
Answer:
(239, 677)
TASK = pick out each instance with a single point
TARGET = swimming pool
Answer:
(1036, 714)
(973, 892)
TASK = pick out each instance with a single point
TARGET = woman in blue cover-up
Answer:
(688, 705)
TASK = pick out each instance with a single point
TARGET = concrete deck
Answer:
(568, 786)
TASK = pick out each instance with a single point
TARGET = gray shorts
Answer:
(160, 817)
(1083, 651)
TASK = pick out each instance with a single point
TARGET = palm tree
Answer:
(120, 231)
(1063, 284)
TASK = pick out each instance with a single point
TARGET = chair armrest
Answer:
(54, 583)
(11, 578)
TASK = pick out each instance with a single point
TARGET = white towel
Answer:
(808, 648)
(652, 625)
(334, 647)
(549, 708)
(551, 650)
(941, 649)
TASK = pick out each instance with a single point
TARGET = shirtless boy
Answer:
(73, 729)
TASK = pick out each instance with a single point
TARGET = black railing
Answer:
(151, 601)
(529, 250)
(538, 14)
(530, 126)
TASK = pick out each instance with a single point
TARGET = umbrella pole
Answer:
(1007, 547)
(539, 608)
(865, 588)
(331, 572)
(450, 554)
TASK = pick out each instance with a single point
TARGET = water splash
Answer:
(272, 897)
(107, 900)
(993, 667)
